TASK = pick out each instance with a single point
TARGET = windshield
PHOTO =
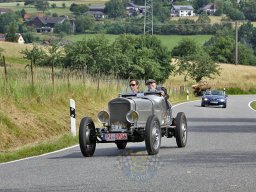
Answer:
(214, 92)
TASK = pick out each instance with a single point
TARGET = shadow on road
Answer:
(224, 158)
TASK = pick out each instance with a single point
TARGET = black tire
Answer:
(121, 144)
(224, 106)
(153, 135)
(87, 137)
(202, 104)
(181, 129)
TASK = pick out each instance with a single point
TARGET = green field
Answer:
(59, 9)
(169, 41)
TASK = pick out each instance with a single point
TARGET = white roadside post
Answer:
(187, 94)
(73, 117)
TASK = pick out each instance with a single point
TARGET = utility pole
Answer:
(236, 28)
(148, 18)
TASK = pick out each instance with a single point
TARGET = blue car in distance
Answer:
(214, 97)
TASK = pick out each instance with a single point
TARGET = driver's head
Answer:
(151, 84)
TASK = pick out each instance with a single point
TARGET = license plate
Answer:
(214, 102)
(114, 136)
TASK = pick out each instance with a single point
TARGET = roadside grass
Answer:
(253, 105)
(39, 148)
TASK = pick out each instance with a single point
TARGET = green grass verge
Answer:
(253, 105)
(42, 148)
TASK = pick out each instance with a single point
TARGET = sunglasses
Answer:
(132, 84)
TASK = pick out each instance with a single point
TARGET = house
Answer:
(45, 24)
(20, 39)
(210, 9)
(4, 10)
(98, 15)
(182, 10)
(28, 16)
(133, 8)
(100, 8)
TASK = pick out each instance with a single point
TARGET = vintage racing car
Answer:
(134, 118)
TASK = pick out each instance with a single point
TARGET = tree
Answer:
(29, 2)
(53, 58)
(78, 9)
(184, 47)
(161, 12)
(64, 27)
(42, 5)
(249, 10)
(5, 20)
(84, 22)
(115, 8)
(193, 61)
(233, 12)
(11, 32)
(34, 55)
(197, 4)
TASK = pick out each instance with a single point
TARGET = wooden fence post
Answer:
(5, 70)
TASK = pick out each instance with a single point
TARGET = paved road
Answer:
(220, 156)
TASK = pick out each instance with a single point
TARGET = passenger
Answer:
(134, 85)
(152, 86)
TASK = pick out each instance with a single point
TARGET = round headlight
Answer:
(206, 99)
(103, 116)
(132, 116)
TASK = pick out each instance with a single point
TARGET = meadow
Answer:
(15, 6)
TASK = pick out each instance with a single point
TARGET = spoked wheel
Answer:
(121, 144)
(87, 137)
(181, 129)
(153, 135)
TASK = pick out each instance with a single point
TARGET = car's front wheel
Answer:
(153, 135)
(181, 129)
(87, 137)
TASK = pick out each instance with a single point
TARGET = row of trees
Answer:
(128, 56)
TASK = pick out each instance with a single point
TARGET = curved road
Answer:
(220, 156)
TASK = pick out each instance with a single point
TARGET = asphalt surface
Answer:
(220, 156)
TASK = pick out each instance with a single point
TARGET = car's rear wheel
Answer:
(121, 144)
(153, 135)
(87, 137)
(181, 129)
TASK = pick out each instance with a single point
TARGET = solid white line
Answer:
(45, 154)
(249, 104)
(185, 103)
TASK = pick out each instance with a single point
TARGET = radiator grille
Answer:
(118, 111)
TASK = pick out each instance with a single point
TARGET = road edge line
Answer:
(249, 105)
(36, 156)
